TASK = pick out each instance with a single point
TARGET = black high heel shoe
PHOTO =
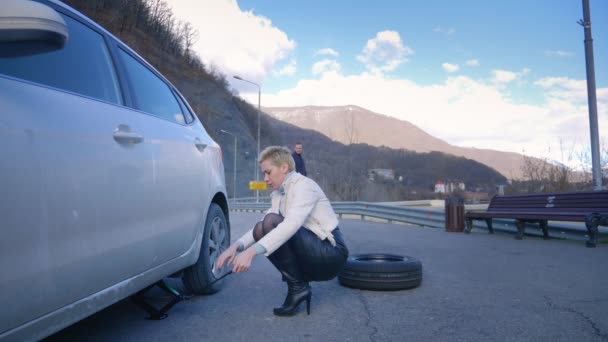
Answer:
(293, 300)
(298, 290)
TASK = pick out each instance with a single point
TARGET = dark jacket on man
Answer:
(300, 166)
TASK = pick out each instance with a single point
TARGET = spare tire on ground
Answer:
(381, 272)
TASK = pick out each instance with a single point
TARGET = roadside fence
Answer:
(431, 217)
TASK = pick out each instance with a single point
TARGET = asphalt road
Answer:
(476, 287)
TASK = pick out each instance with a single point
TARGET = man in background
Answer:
(297, 157)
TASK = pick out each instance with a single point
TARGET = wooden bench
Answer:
(590, 207)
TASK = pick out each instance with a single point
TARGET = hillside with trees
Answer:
(343, 170)
(151, 29)
(348, 124)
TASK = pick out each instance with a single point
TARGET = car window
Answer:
(189, 116)
(152, 94)
(83, 66)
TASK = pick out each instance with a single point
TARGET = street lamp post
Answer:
(256, 167)
(234, 165)
(591, 98)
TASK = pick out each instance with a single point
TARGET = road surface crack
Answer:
(369, 317)
(596, 329)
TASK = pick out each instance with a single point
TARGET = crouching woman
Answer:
(299, 234)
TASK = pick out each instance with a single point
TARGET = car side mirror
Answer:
(28, 27)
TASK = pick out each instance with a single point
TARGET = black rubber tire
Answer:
(381, 272)
(216, 238)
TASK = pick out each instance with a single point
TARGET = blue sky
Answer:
(502, 34)
(506, 75)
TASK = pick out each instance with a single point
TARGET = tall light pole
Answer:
(256, 167)
(234, 165)
(591, 99)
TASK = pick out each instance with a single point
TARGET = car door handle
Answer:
(199, 144)
(123, 134)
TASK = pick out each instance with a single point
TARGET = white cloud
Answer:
(325, 66)
(385, 52)
(448, 31)
(568, 109)
(461, 110)
(221, 41)
(449, 67)
(564, 88)
(559, 53)
(327, 52)
(288, 69)
(502, 77)
(472, 62)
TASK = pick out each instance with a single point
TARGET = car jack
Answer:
(176, 297)
(158, 314)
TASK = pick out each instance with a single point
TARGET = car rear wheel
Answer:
(199, 277)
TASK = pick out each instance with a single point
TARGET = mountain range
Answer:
(352, 124)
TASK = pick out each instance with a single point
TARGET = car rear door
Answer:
(181, 158)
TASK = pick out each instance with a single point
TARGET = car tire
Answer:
(381, 272)
(199, 277)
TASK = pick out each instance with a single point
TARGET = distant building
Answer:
(374, 174)
(440, 187)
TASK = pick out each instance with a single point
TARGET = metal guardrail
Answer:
(432, 218)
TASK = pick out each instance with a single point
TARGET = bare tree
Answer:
(544, 175)
(350, 188)
(584, 159)
(189, 35)
(127, 14)
(350, 129)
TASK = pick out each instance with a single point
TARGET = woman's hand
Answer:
(226, 257)
(242, 262)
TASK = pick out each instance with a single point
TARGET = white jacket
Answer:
(303, 204)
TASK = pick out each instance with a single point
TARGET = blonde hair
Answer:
(278, 155)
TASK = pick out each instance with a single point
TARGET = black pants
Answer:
(304, 254)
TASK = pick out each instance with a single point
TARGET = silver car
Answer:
(109, 182)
